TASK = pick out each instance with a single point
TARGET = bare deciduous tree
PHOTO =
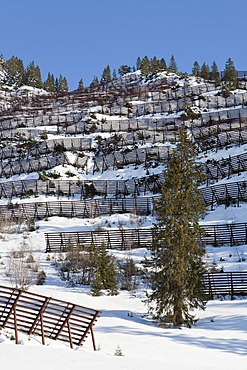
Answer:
(21, 266)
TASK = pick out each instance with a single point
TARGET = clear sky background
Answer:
(78, 38)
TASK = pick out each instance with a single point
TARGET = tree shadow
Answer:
(230, 345)
(234, 324)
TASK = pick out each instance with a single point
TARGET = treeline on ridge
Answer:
(18, 75)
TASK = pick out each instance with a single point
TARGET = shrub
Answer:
(21, 267)
(118, 351)
(41, 278)
(129, 273)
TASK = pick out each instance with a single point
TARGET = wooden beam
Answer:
(40, 312)
(92, 334)
(69, 331)
(88, 328)
(42, 327)
(13, 306)
(65, 322)
(15, 324)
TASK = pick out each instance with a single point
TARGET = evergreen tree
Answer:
(49, 83)
(105, 274)
(122, 70)
(62, 84)
(94, 83)
(138, 63)
(39, 83)
(154, 65)
(96, 284)
(196, 69)
(175, 267)
(144, 66)
(33, 76)
(114, 74)
(106, 75)
(173, 65)
(57, 85)
(80, 85)
(230, 74)
(215, 75)
(205, 71)
(15, 70)
(163, 65)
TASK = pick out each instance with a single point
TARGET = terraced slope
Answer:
(103, 151)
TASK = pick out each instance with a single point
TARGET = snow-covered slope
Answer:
(118, 133)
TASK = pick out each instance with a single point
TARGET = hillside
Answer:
(85, 166)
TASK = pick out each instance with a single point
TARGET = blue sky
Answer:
(78, 38)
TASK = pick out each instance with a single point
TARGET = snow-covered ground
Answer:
(217, 341)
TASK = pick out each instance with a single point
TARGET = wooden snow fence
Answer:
(83, 188)
(228, 194)
(225, 167)
(121, 239)
(35, 314)
(231, 193)
(225, 283)
(20, 166)
(124, 239)
(89, 208)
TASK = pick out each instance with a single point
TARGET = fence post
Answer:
(15, 323)
(232, 287)
(210, 291)
(215, 239)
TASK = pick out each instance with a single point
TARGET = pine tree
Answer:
(105, 274)
(49, 83)
(196, 69)
(122, 70)
(94, 83)
(62, 84)
(15, 70)
(138, 63)
(80, 85)
(154, 65)
(163, 65)
(205, 72)
(114, 74)
(106, 75)
(215, 75)
(96, 284)
(144, 66)
(230, 74)
(38, 83)
(175, 266)
(57, 85)
(33, 76)
(173, 65)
